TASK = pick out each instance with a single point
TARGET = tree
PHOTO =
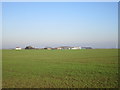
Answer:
(29, 47)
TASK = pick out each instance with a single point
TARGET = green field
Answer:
(92, 68)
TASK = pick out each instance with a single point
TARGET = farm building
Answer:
(76, 48)
(64, 47)
(18, 48)
(48, 48)
(59, 48)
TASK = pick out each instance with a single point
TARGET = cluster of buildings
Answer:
(56, 48)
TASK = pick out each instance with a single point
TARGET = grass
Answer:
(95, 68)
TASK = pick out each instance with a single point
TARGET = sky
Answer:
(53, 24)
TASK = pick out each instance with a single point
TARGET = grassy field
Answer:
(95, 68)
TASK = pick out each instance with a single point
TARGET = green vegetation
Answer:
(60, 68)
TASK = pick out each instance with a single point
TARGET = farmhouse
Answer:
(18, 48)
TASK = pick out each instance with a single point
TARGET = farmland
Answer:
(92, 68)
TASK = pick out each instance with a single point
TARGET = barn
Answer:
(18, 48)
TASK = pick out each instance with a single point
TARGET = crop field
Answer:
(90, 68)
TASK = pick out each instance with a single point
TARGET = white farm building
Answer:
(76, 48)
(18, 48)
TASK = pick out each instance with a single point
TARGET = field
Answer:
(92, 68)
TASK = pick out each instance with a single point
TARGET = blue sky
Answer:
(42, 24)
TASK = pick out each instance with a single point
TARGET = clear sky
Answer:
(42, 24)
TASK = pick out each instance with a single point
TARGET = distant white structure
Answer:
(18, 48)
(76, 48)
(86, 47)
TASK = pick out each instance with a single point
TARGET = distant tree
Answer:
(29, 47)
(45, 48)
